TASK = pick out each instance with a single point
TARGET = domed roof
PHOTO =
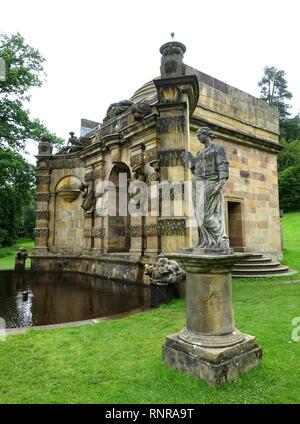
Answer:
(145, 93)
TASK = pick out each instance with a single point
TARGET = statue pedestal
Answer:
(210, 347)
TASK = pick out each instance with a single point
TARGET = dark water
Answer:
(63, 297)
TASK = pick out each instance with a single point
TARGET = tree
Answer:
(290, 129)
(16, 188)
(273, 89)
(289, 189)
(289, 156)
(24, 70)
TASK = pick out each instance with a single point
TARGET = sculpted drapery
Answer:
(210, 169)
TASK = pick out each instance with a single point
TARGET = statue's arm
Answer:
(188, 160)
(223, 169)
(223, 165)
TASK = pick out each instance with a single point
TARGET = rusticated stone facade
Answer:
(144, 138)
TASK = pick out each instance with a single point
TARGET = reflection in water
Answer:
(63, 297)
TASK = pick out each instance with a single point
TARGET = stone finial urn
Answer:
(172, 59)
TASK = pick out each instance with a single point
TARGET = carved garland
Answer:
(41, 214)
(164, 226)
(171, 157)
(41, 232)
(150, 230)
(42, 197)
(137, 159)
(65, 163)
(43, 179)
(151, 155)
(87, 233)
(170, 124)
(171, 226)
(136, 230)
(99, 232)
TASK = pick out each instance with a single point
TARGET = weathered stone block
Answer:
(214, 365)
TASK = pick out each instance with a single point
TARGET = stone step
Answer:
(255, 272)
(258, 260)
(252, 265)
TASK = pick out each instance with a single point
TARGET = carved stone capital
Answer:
(136, 230)
(150, 230)
(41, 232)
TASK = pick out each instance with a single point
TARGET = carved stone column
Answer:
(99, 228)
(152, 179)
(137, 222)
(177, 98)
(41, 230)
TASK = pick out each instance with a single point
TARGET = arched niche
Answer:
(68, 214)
(118, 225)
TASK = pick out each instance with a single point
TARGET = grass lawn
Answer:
(7, 254)
(120, 361)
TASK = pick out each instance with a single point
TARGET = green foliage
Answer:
(16, 193)
(24, 70)
(273, 89)
(290, 129)
(289, 156)
(289, 188)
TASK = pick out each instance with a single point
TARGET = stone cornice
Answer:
(237, 136)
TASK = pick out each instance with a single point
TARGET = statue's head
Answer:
(205, 133)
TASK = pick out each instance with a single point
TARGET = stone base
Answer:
(214, 365)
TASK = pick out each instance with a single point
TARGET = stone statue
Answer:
(165, 271)
(117, 109)
(74, 145)
(21, 256)
(140, 110)
(210, 168)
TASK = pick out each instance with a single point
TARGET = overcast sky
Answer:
(99, 52)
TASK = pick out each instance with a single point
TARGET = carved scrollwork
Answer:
(43, 179)
(171, 124)
(87, 233)
(42, 197)
(137, 159)
(41, 214)
(171, 157)
(41, 232)
(99, 232)
(150, 230)
(136, 230)
(171, 226)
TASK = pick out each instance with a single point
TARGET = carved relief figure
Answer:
(88, 197)
(210, 168)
